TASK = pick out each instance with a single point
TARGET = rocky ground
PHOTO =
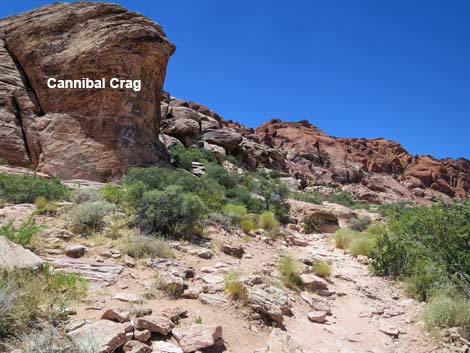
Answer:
(353, 311)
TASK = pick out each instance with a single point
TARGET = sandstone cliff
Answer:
(91, 134)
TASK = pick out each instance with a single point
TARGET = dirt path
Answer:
(364, 306)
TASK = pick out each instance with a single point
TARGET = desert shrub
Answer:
(312, 223)
(26, 189)
(426, 246)
(360, 224)
(3, 161)
(234, 287)
(346, 199)
(393, 210)
(113, 194)
(183, 157)
(222, 176)
(267, 220)
(27, 297)
(89, 216)
(220, 219)
(231, 159)
(446, 311)
(43, 206)
(23, 234)
(275, 232)
(82, 195)
(235, 212)
(343, 238)
(141, 246)
(51, 340)
(310, 197)
(322, 269)
(170, 212)
(289, 269)
(363, 245)
(247, 225)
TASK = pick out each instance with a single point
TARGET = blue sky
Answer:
(365, 68)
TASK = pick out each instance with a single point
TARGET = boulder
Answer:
(116, 314)
(185, 130)
(73, 133)
(197, 337)
(313, 282)
(75, 251)
(227, 138)
(15, 256)
(136, 347)
(233, 250)
(270, 302)
(317, 316)
(154, 323)
(142, 335)
(106, 335)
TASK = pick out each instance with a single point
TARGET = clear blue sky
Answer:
(359, 68)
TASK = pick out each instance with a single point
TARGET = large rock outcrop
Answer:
(81, 133)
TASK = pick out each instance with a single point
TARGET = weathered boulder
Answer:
(115, 314)
(313, 282)
(136, 347)
(105, 335)
(75, 251)
(81, 133)
(154, 323)
(197, 337)
(270, 302)
(15, 256)
(229, 139)
(185, 130)
(233, 250)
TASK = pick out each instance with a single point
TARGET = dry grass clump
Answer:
(141, 246)
(289, 269)
(234, 287)
(322, 269)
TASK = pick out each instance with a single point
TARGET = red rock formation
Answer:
(93, 134)
(377, 164)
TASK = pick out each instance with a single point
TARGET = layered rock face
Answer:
(366, 166)
(92, 134)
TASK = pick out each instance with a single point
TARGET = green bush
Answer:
(346, 199)
(113, 194)
(23, 234)
(289, 269)
(183, 157)
(268, 221)
(26, 189)
(170, 212)
(344, 237)
(446, 311)
(310, 197)
(3, 161)
(362, 245)
(235, 212)
(82, 195)
(360, 224)
(426, 246)
(247, 225)
(322, 269)
(312, 224)
(141, 246)
(89, 216)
